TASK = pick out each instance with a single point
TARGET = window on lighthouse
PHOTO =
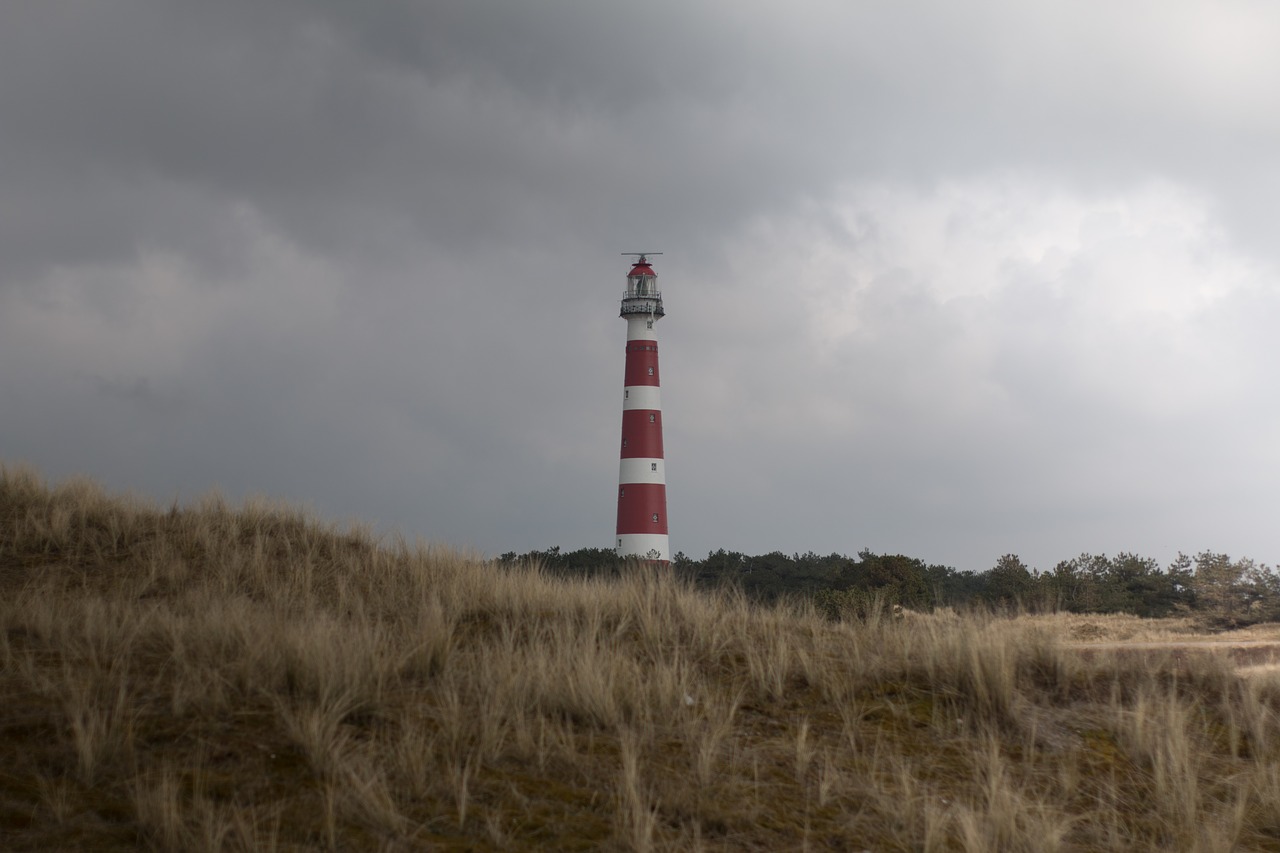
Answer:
(650, 371)
(626, 393)
(651, 418)
(653, 466)
(655, 518)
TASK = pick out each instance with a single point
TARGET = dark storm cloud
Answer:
(364, 255)
(364, 125)
(439, 123)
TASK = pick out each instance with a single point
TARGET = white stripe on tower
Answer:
(642, 475)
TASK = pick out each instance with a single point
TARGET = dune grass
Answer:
(243, 678)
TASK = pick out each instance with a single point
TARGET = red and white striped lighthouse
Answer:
(642, 476)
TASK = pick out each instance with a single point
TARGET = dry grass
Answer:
(217, 678)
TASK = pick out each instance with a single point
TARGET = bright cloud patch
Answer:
(1046, 356)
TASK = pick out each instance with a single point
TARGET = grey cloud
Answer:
(365, 255)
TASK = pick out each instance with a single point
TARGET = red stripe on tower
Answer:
(642, 474)
(641, 434)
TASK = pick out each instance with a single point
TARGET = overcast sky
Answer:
(946, 279)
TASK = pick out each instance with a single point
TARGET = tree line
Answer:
(1222, 590)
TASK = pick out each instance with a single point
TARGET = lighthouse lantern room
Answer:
(642, 476)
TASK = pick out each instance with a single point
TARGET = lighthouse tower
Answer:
(642, 476)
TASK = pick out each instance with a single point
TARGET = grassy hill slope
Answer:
(211, 678)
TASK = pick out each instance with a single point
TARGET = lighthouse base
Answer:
(646, 546)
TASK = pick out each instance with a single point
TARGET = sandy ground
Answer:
(1255, 650)
(1251, 657)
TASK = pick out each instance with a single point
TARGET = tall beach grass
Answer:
(214, 677)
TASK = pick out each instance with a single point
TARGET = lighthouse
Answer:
(642, 475)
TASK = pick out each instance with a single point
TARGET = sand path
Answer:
(1251, 657)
